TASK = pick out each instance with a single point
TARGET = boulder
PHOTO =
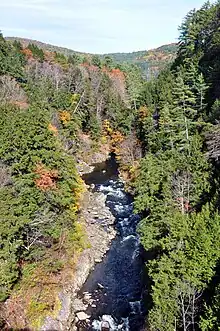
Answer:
(98, 260)
(87, 296)
(101, 286)
(79, 305)
(105, 326)
(82, 316)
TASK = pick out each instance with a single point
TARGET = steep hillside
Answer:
(150, 62)
(56, 115)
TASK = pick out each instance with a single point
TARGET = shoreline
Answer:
(93, 207)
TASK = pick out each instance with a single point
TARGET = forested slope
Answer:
(177, 188)
(150, 61)
(48, 103)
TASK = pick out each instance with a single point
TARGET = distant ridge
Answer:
(44, 46)
(150, 61)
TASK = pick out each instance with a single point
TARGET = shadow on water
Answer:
(103, 172)
(116, 284)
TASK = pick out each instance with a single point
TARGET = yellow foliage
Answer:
(65, 116)
(75, 98)
(143, 112)
(38, 310)
(78, 192)
(104, 140)
(75, 208)
(77, 240)
(107, 127)
(117, 137)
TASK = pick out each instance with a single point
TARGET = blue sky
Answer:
(96, 26)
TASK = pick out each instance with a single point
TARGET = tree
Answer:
(96, 61)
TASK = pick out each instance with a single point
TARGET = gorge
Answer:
(131, 243)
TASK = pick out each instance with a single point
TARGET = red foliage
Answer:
(114, 73)
(117, 73)
(46, 178)
(186, 204)
(89, 66)
(118, 80)
(28, 53)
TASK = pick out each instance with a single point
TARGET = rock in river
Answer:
(82, 316)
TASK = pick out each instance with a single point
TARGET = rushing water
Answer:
(116, 284)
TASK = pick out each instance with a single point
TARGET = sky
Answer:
(96, 26)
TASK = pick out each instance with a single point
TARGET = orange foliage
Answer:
(27, 52)
(65, 116)
(117, 137)
(49, 56)
(117, 73)
(89, 66)
(117, 78)
(114, 73)
(53, 129)
(21, 104)
(116, 140)
(46, 178)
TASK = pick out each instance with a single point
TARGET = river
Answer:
(116, 284)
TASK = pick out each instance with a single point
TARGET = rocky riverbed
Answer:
(98, 223)
(108, 286)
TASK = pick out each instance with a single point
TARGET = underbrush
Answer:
(36, 296)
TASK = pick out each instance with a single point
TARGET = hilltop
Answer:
(46, 47)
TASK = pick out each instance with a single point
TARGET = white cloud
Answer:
(96, 25)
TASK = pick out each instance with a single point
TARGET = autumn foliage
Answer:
(65, 116)
(115, 137)
(28, 53)
(143, 112)
(46, 178)
(53, 129)
(88, 66)
(49, 56)
(117, 73)
(114, 74)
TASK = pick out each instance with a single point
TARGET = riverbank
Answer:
(99, 236)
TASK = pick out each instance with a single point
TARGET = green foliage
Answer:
(150, 62)
(11, 61)
(211, 319)
(39, 185)
(96, 61)
(37, 52)
(61, 58)
(27, 142)
(177, 185)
